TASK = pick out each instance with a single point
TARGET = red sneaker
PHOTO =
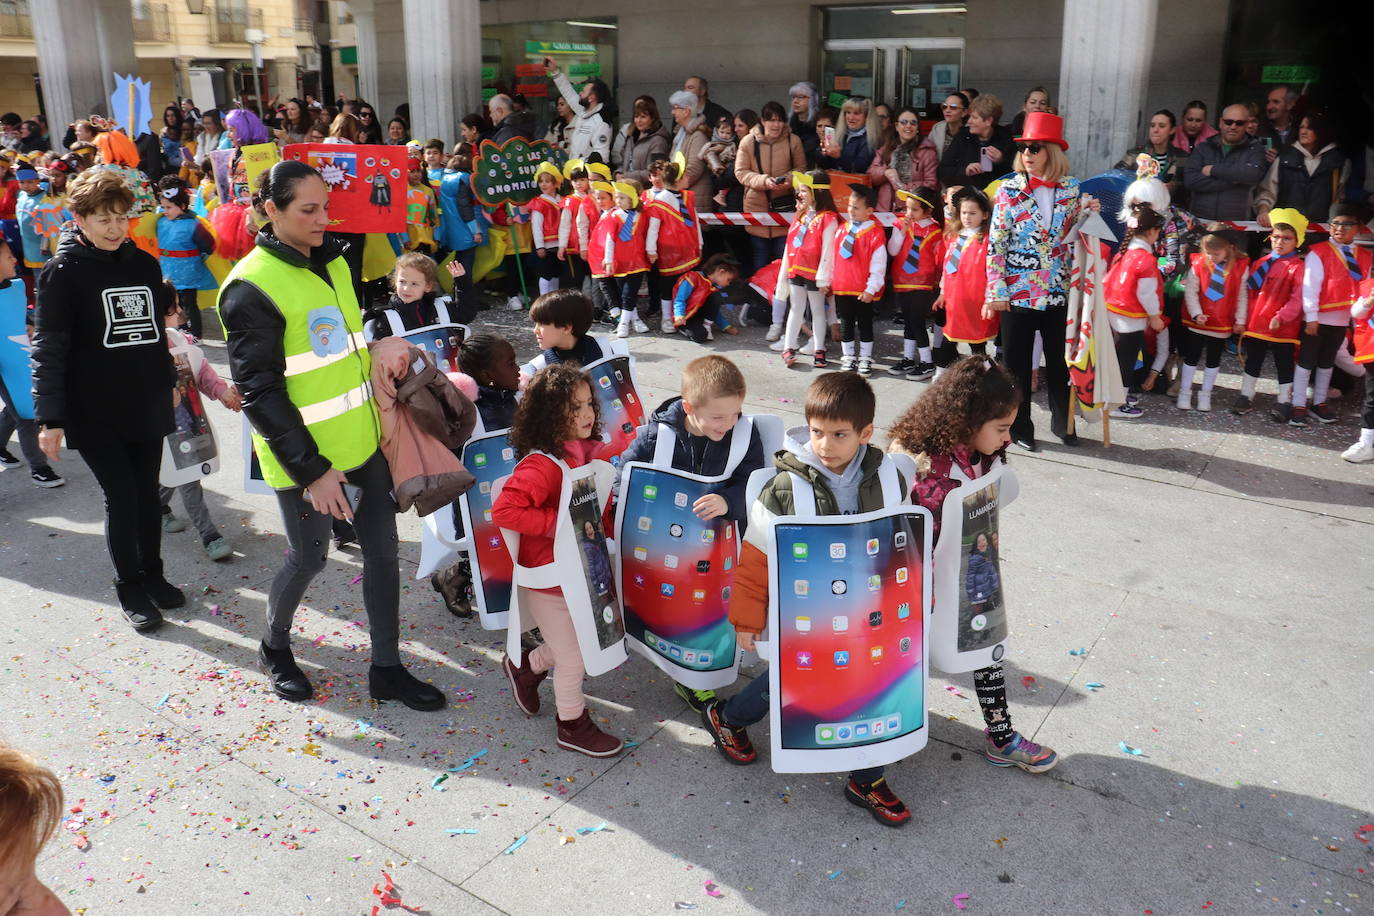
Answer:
(733, 743)
(886, 808)
(524, 683)
(789, 357)
(818, 360)
(582, 735)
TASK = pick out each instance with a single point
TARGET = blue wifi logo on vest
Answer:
(328, 333)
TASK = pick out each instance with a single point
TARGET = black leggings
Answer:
(546, 268)
(1255, 348)
(915, 306)
(948, 351)
(855, 314)
(1127, 349)
(189, 300)
(1367, 415)
(619, 292)
(1318, 351)
(127, 474)
(1194, 344)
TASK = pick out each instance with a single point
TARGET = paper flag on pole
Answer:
(131, 104)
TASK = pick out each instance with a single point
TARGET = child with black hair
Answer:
(697, 298)
(490, 362)
(618, 257)
(186, 353)
(415, 301)
(1135, 298)
(579, 215)
(562, 319)
(859, 275)
(1332, 273)
(915, 250)
(964, 419)
(184, 242)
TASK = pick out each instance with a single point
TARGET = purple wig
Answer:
(248, 127)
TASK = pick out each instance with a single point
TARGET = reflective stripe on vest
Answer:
(327, 366)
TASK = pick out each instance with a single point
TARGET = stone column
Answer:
(443, 50)
(78, 56)
(365, 27)
(1102, 79)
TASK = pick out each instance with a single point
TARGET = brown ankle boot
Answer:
(583, 736)
(524, 683)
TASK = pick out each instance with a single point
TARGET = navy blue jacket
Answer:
(699, 455)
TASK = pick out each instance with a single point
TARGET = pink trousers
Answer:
(549, 612)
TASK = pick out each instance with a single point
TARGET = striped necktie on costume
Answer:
(913, 257)
(1256, 281)
(627, 231)
(1352, 265)
(847, 246)
(952, 265)
(803, 225)
(686, 214)
(1216, 286)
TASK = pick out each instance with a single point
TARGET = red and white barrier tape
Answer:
(785, 219)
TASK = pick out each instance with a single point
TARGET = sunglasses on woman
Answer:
(908, 122)
(1032, 148)
(951, 107)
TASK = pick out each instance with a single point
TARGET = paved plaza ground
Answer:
(1216, 571)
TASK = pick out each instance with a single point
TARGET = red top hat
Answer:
(1043, 127)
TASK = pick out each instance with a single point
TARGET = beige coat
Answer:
(757, 161)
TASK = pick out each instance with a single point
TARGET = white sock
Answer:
(779, 310)
(1037, 351)
(1161, 350)
(1185, 380)
(1321, 385)
(626, 318)
(1300, 379)
(795, 316)
(866, 349)
(908, 349)
(1367, 437)
(815, 303)
(937, 338)
(832, 315)
(925, 354)
(1247, 385)
(847, 347)
(1286, 393)
(1209, 378)
(667, 306)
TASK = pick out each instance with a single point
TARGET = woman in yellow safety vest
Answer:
(296, 352)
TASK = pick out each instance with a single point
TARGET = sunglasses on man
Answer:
(1231, 122)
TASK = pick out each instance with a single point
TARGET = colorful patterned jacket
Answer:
(1026, 265)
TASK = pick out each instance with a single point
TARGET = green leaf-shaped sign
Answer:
(505, 173)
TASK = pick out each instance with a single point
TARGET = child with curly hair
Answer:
(965, 418)
(560, 417)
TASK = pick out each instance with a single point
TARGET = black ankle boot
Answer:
(394, 682)
(164, 594)
(138, 608)
(288, 681)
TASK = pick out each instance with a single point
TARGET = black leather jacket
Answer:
(254, 328)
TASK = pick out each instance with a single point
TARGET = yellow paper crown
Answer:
(912, 195)
(680, 160)
(572, 165)
(805, 179)
(1290, 217)
(599, 168)
(547, 168)
(604, 187)
(624, 187)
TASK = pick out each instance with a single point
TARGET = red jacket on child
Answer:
(925, 237)
(1218, 315)
(1280, 296)
(965, 290)
(528, 502)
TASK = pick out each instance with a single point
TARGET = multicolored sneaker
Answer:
(886, 808)
(733, 743)
(697, 699)
(1020, 752)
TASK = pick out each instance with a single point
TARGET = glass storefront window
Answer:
(913, 20)
(513, 55)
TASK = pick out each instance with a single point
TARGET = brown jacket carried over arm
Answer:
(425, 419)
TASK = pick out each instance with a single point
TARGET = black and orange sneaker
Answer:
(733, 743)
(886, 808)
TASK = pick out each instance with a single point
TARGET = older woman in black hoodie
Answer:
(103, 378)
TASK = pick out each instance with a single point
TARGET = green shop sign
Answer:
(541, 48)
(586, 70)
(488, 74)
(1290, 74)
